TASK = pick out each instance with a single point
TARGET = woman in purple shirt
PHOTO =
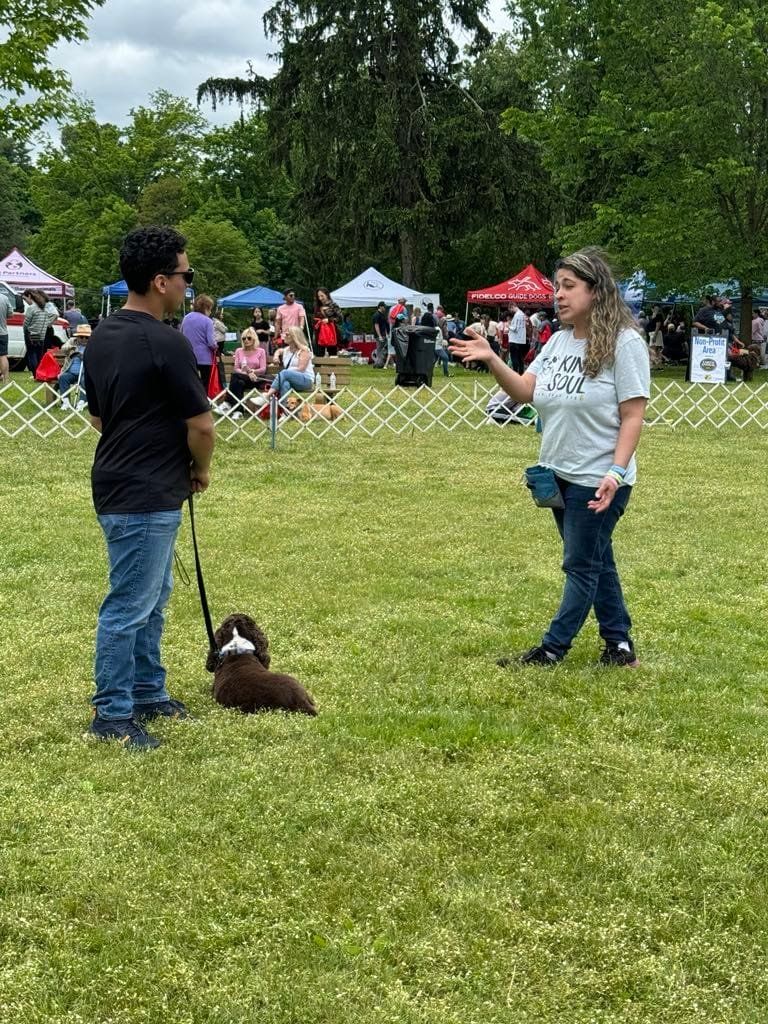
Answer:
(197, 328)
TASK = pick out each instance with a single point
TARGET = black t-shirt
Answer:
(713, 319)
(142, 381)
(383, 322)
(261, 327)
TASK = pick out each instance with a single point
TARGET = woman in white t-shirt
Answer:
(590, 385)
(298, 372)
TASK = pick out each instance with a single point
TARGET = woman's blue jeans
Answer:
(591, 578)
(67, 380)
(129, 671)
(292, 380)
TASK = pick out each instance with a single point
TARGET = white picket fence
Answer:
(32, 408)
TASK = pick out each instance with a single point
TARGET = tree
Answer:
(237, 182)
(221, 255)
(31, 89)
(102, 180)
(18, 216)
(511, 220)
(374, 142)
(165, 201)
(81, 244)
(12, 231)
(663, 153)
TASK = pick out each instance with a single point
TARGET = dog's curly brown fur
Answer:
(244, 681)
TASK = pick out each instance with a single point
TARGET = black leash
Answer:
(201, 584)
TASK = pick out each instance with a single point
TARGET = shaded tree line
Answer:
(380, 141)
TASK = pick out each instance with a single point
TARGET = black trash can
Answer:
(414, 356)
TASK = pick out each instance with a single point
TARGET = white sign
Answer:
(709, 354)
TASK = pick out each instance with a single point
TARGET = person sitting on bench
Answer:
(249, 369)
(298, 372)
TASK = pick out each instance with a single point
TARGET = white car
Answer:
(16, 347)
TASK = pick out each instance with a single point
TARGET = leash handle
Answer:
(200, 581)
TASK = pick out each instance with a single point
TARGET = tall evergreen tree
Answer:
(370, 114)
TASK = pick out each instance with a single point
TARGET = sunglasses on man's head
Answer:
(188, 275)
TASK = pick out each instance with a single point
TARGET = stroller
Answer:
(502, 409)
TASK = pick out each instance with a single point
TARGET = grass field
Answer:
(448, 842)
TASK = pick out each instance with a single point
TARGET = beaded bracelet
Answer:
(617, 473)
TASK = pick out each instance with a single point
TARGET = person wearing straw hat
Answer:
(72, 371)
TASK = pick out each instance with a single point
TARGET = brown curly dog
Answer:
(241, 676)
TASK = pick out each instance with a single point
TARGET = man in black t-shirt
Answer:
(710, 317)
(429, 319)
(147, 402)
(381, 334)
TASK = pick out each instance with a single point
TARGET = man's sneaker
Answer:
(162, 709)
(536, 656)
(622, 654)
(128, 732)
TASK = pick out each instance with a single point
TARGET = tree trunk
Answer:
(745, 325)
(409, 258)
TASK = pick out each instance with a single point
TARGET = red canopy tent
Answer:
(529, 286)
(20, 272)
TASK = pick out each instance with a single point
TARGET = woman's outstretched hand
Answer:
(473, 347)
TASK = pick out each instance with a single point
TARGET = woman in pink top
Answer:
(249, 370)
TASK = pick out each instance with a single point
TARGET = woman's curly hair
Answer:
(609, 314)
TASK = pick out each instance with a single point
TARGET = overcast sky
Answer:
(138, 46)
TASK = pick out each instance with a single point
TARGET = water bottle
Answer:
(318, 381)
(332, 381)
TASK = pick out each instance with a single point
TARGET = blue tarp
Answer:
(250, 297)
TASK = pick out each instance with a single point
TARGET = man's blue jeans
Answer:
(128, 667)
(591, 579)
(292, 380)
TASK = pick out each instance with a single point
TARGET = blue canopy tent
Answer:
(250, 297)
(264, 298)
(119, 290)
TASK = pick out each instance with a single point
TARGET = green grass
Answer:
(447, 842)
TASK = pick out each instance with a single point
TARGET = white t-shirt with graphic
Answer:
(580, 414)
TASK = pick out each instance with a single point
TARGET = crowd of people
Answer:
(667, 331)
(277, 349)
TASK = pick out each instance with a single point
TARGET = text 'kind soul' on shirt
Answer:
(580, 414)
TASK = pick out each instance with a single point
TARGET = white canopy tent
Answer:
(372, 287)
